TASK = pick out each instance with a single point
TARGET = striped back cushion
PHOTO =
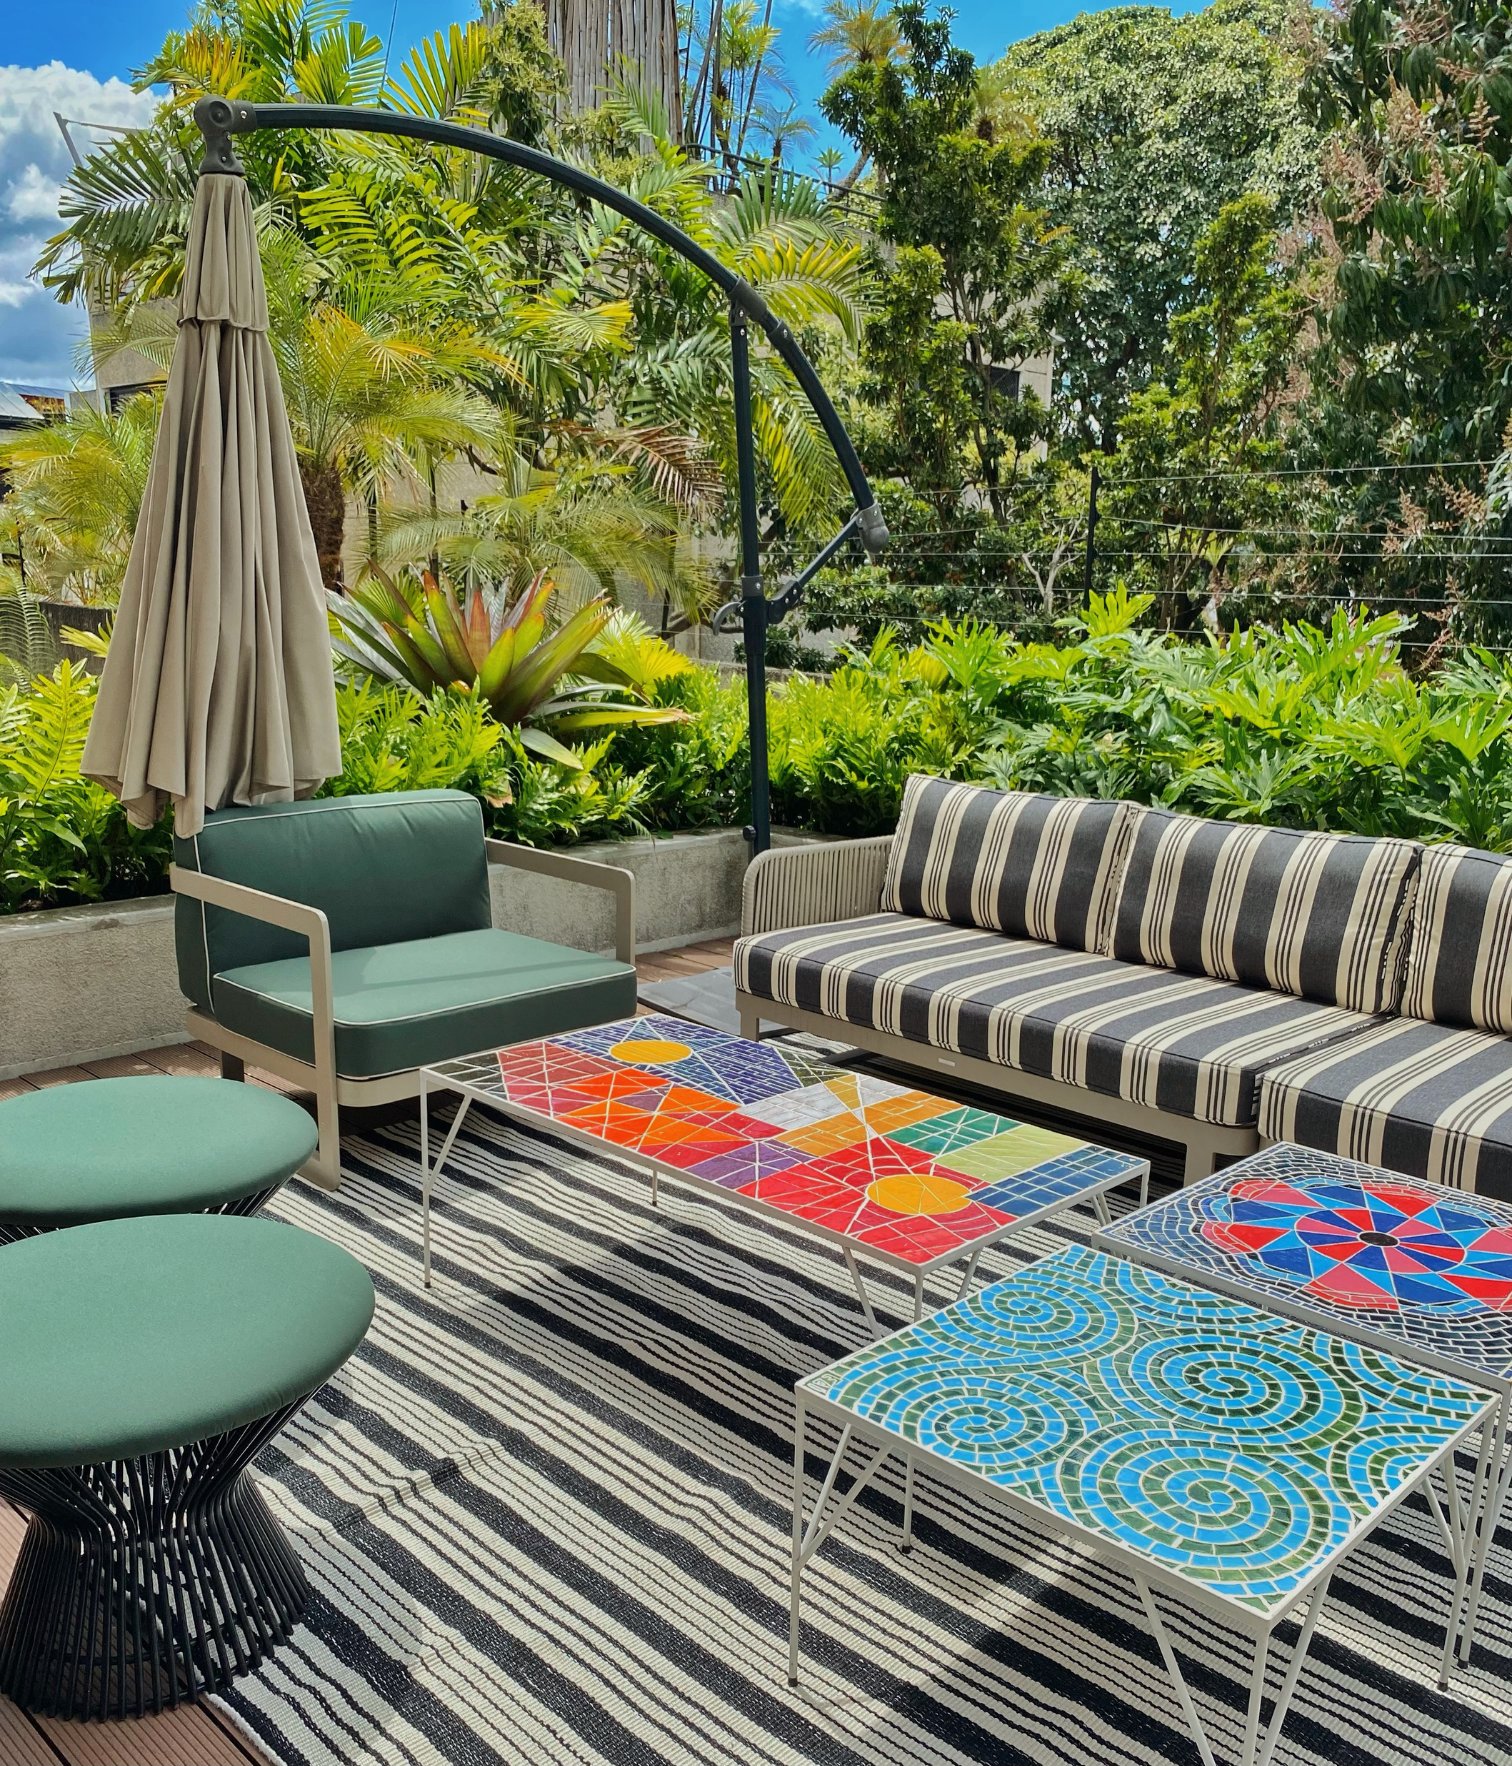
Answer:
(1459, 963)
(1321, 916)
(1007, 861)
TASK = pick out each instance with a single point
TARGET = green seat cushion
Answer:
(400, 1006)
(130, 1336)
(110, 1147)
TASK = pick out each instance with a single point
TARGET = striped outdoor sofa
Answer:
(1210, 983)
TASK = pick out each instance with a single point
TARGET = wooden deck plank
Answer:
(59, 1076)
(124, 1067)
(21, 1742)
(13, 1088)
(184, 1057)
(189, 1736)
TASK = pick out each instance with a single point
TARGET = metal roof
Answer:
(14, 409)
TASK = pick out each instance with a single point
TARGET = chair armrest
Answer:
(811, 885)
(293, 916)
(619, 882)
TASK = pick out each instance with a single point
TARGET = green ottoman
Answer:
(144, 1363)
(106, 1148)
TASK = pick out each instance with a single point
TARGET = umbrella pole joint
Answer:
(218, 119)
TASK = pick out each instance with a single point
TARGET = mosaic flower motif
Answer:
(1378, 1246)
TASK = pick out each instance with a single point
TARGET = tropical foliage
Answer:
(1303, 726)
(75, 488)
(592, 671)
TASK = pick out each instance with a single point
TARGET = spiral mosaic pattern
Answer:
(1212, 1508)
(1195, 1431)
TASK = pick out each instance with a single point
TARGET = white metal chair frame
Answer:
(331, 1088)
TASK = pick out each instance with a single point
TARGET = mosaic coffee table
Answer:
(1421, 1269)
(1209, 1449)
(881, 1171)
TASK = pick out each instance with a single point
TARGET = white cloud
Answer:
(33, 196)
(39, 338)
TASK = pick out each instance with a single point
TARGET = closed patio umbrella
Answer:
(218, 686)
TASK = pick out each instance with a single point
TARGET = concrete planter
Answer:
(80, 984)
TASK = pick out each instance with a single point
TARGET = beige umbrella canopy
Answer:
(218, 686)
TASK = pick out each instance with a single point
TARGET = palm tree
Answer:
(857, 32)
(378, 387)
(584, 524)
(75, 491)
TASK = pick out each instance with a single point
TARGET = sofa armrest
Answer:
(293, 916)
(619, 882)
(811, 885)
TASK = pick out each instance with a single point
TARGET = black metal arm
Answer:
(221, 118)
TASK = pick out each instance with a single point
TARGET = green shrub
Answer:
(1303, 727)
(392, 739)
(63, 839)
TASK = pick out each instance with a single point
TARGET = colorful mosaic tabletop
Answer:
(913, 1178)
(1234, 1447)
(1415, 1263)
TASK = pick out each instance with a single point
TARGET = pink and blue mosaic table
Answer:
(1208, 1448)
(1416, 1267)
(899, 1176)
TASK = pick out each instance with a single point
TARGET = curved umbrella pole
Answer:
(221, 118)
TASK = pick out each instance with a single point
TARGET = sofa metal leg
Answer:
(232, 1066)
(1201, 1160)
(750, 1021)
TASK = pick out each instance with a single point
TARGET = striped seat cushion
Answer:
(1322, 916)
(1459, 959)
(1007, 861)
(1180, 1043)
(1425, 1099)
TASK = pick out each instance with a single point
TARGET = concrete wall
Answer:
(79, 984)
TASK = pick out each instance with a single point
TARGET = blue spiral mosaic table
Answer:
(1205, 1446)
(1415, 1267)
(1237, 1449)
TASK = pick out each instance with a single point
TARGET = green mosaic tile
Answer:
(1006, 1155)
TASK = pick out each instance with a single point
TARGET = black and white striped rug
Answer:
(546, 1515)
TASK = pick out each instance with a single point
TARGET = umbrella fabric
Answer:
(218, 687)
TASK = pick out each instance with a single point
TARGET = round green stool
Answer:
(145, 1363)
(107, 1148)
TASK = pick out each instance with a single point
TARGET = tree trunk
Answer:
(325, 499)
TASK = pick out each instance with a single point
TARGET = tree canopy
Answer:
(1156, 122)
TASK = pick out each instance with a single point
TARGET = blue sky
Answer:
(76, 57)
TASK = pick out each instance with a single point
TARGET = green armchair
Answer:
(346, 942)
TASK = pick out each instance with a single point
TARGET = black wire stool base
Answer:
(145, 1583)
(12, 1235)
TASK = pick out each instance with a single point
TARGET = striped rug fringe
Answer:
(546, 1514)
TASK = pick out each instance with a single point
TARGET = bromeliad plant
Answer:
(596, 670)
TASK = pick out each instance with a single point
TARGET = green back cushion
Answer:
(383, 869)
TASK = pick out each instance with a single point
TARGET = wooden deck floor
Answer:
(194, 1735)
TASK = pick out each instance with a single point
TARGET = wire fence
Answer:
(1436, 556)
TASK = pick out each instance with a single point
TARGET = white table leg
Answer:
(807, 1538)
(861, 1293)
(429, 1172)
(1498, 1489)
(795, 1593)
(906, 1543)
(1257, 1748)
(970, 1276)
